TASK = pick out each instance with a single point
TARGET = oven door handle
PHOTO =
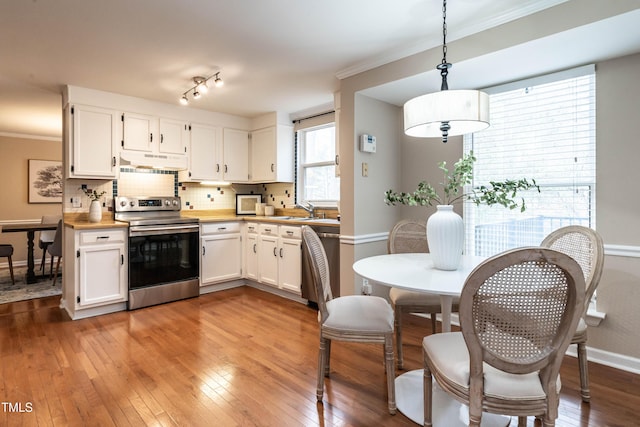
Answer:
(165, 229)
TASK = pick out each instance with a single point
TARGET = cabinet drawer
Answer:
(104, 236)
(220, 228)
(290, 232)
(252, 228)
(268, 229)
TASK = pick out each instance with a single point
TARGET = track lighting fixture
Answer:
(200, 87)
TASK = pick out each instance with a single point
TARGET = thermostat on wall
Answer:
(367, 143)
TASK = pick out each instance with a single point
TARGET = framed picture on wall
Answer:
(45, 181)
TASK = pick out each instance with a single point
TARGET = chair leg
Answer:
(391, 375)
(428, 390)
(44, 258)
(433, 323)
(55, 277)
(327, 357)
(321, 368)
(522, 421)
(13, 280)
(584, 372)
(398, 327)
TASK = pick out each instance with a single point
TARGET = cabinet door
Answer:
(268, 260)
(173, 136)
(102, 274)
(138, 132)
(263, 155)
(272, 154)
(93, 141)
(290, 265)
(251, 257)
(236, 155)
(204, 163)
(221, 258)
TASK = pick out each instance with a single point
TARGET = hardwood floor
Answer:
(240, 357)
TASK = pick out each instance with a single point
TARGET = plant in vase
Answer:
(95, 207)
(445, 233)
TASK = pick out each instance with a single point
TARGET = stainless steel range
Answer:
(163, 250)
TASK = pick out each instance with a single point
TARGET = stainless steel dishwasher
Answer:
(330, 238)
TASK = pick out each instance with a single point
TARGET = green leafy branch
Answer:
(502, 193)
(93, 194)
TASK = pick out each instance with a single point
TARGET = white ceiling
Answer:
(274, 55)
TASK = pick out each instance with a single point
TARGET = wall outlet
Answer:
(366, 287)
(75, 202)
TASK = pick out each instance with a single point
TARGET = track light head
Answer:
(184, 100)
(218, 82)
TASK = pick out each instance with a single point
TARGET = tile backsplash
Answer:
(195, 196)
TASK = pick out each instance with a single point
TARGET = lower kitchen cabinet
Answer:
(96, 278)
(251, 251)
(221, 252)
(280, 257)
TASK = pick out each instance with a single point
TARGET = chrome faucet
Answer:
(310, 209)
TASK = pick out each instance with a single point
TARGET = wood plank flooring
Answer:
(240, 357)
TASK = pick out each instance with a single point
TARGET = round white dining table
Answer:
(415, 272)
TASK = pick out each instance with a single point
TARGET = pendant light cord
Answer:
(444, 65)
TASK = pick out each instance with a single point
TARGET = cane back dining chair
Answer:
(6, 251)
(585, 246)
(409, 236)
(518, 312)
(352, 318)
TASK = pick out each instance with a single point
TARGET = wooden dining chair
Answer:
(409, 236)
(6, 251)
(351, 318)
(585, 246)
(518, 312)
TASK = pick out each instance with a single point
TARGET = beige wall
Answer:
(14, 206)
(615, 341)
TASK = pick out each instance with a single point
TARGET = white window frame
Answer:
(301, 167)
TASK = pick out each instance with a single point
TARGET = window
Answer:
(543, 129)
(316, 180)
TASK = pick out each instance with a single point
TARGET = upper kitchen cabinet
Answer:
(174, 136)
(235, 153)
(91, 142)
(272, 154)
(151, 134)
(138, 131)
(205, 154)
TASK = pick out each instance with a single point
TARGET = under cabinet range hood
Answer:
(141, 159)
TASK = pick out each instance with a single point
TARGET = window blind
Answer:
(542, 129)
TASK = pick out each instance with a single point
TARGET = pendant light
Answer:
(448, 112)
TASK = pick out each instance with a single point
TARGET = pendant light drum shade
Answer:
(466, 111)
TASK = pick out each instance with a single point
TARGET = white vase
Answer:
(445, 235)
(95, 211)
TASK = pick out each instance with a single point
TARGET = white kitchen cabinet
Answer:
(236, 155)
(205, 154)
(290, 259)
(251, 251)
(280, 257)
(268, 254)
(91, 142)
(174, 136)
(138, 132)
(272, 154)
(221, 257)
(95, 272)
